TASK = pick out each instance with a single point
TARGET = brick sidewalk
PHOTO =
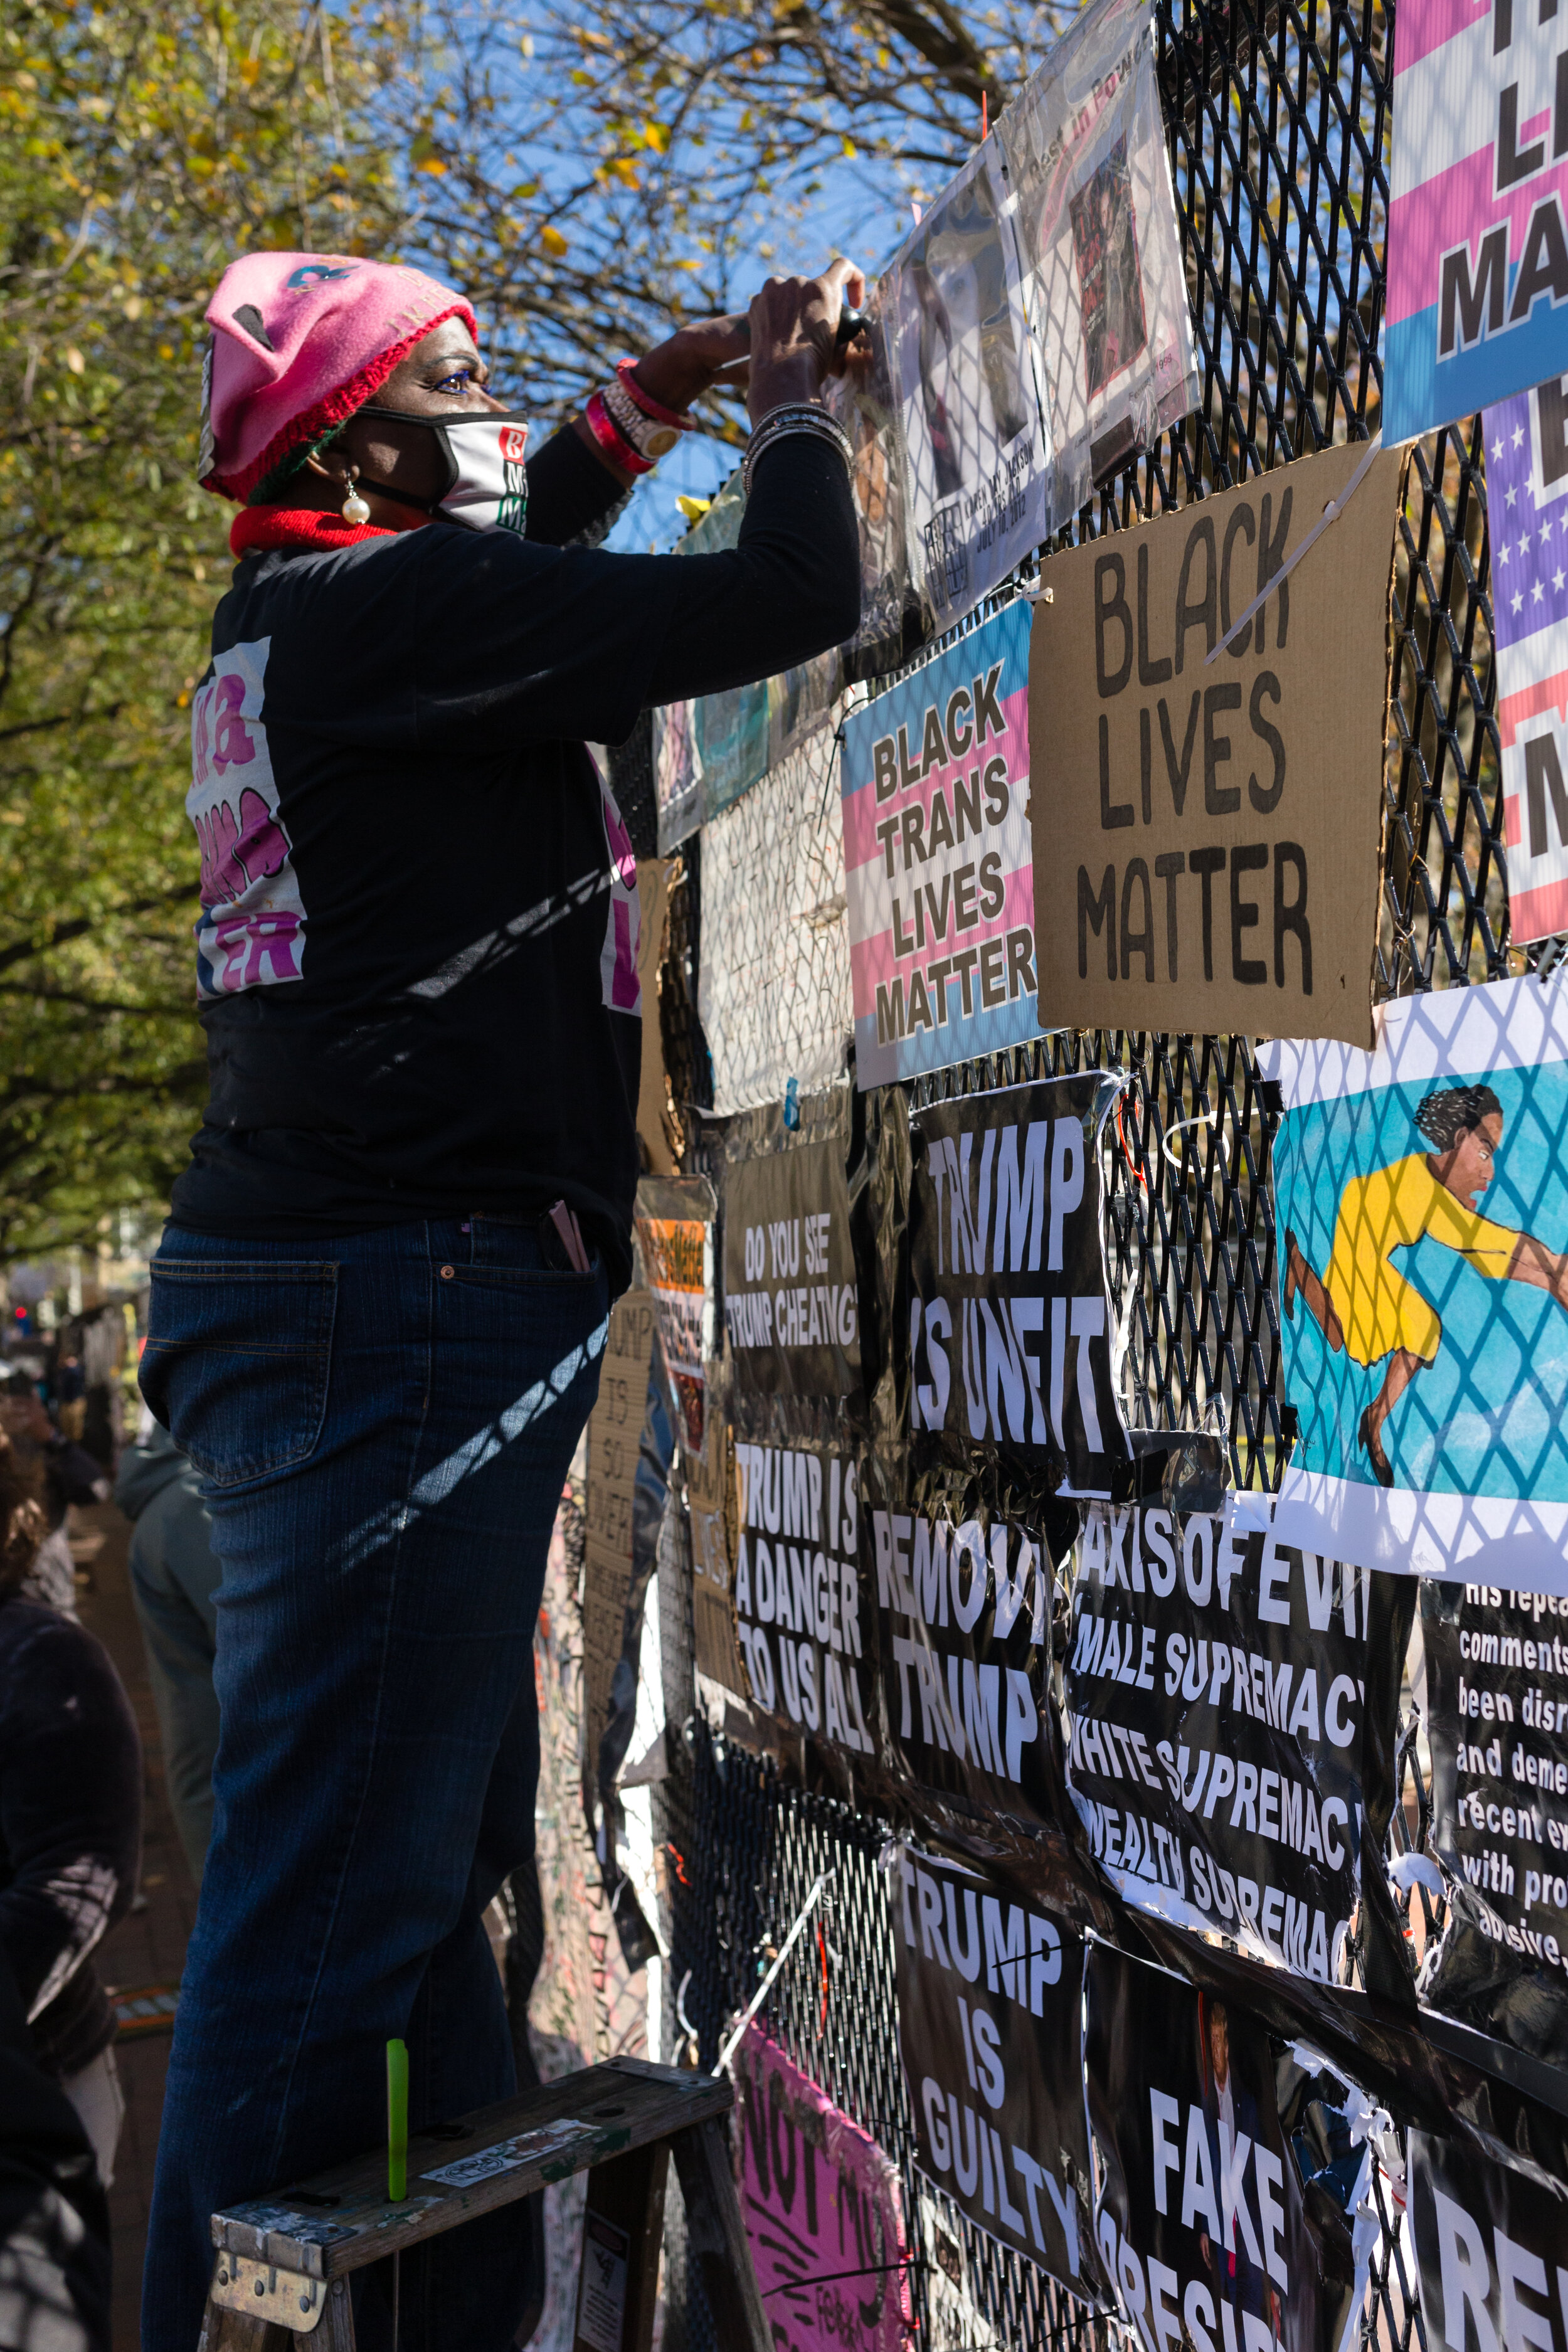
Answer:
(148, 1947)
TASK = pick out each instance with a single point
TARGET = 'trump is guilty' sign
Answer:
(1206, 821)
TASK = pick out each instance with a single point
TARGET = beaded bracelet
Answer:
(647, 436)
(610, 440)
(793, 418)
(643, 399)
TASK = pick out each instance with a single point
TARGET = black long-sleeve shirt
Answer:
(71, 1824)
(417, 951)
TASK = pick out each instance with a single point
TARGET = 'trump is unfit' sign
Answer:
(1490, 2245)
(938, 856)
(1478, 260)
(1215, 1693)
(1206, 835)
(1010, 1330)
(990, 1995)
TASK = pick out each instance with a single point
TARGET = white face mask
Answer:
(487, 484)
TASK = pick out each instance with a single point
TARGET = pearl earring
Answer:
(355, 508)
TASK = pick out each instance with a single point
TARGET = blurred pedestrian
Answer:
(70, 1819)
(175, 1576)
(68, 1475)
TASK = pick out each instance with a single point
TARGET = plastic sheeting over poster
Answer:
(1104, 287)
(1214, 1692)
(1422, 1199)
(1527, 497)
(990, 2001)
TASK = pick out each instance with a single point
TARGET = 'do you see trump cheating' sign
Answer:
(1207, 799)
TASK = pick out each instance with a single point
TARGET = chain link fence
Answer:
(1278, 123)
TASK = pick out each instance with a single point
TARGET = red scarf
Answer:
(306, 527)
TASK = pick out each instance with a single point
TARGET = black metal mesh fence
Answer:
(1278, 121)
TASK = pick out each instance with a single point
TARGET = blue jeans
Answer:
(383, 1423)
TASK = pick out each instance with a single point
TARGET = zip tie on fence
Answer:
(1201, 1119)
(1331, 513)
(807, 1907)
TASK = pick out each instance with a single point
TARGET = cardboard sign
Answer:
(1477, 263)
(675, 1233)
(990, 2002)
(1497, 1716)
(1421, 1203)
(938, 860)
(1207, 831)
(823, 2211)
(1214, 1697)
(1527, 499)
(1203, 2222)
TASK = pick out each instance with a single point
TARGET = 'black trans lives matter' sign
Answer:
(1206, 848)
(1497, 1701)
(1214, 1694)
(1010, 1330)
(990, 2003)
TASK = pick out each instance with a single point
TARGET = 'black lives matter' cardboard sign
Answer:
(1206, 831)
(1214, 1692)
(1203, 2219)
(990, 2002)
(1010, 1326)
(1497, 1716)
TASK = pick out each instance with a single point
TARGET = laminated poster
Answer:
(801, 1614)
(823, 2211)
(964, 1620)
(1203, 2219)
(1101, 247)
(990, 2031)
(1011, 1334)
(1421, 1210)
(957, 2323)
(675, 1233)
(790, 1304)
(1527, 503)
(976, 455)
(1497, 1717)
(938, 860)
(1477, 261)
(1205, 846)
(1215, 1690)
(1492, 2248)
(863, 401)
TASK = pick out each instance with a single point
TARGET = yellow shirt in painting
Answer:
(1388, 1210)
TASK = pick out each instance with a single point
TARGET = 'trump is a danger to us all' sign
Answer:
(937, 855)
(1478, 260)
(1207, 812)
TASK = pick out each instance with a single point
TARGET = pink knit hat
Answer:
(299, 340)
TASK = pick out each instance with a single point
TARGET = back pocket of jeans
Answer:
(237, 1361)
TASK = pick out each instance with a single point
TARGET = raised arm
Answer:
(1541, 1268)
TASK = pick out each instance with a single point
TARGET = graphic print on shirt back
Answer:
(252, 929)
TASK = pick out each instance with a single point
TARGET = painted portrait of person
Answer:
(1366, 1307)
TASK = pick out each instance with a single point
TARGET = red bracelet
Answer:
(644, 400)
(610, 440)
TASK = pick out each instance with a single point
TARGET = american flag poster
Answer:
(1527, 506)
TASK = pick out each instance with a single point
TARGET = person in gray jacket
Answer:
(173, 1583)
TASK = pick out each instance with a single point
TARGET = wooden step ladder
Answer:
(284, 2263)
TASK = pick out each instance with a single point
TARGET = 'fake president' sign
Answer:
(1206, 814)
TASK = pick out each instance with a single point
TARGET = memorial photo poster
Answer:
(823, 2211)
(1497, 1719)
(790, 1309)
(990, 2031)
(1011, 1329)
(1101, 247)
(976, 455)
(1421, 1205)
(1492, 2248)
(1527, 503)
(1215, 1690)
(1477, 261)
(1206, 848)
(802, 1616)
(938, 860)
(1202, 2220)
(674, 1227)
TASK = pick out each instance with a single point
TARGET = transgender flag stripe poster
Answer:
(938, 860)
